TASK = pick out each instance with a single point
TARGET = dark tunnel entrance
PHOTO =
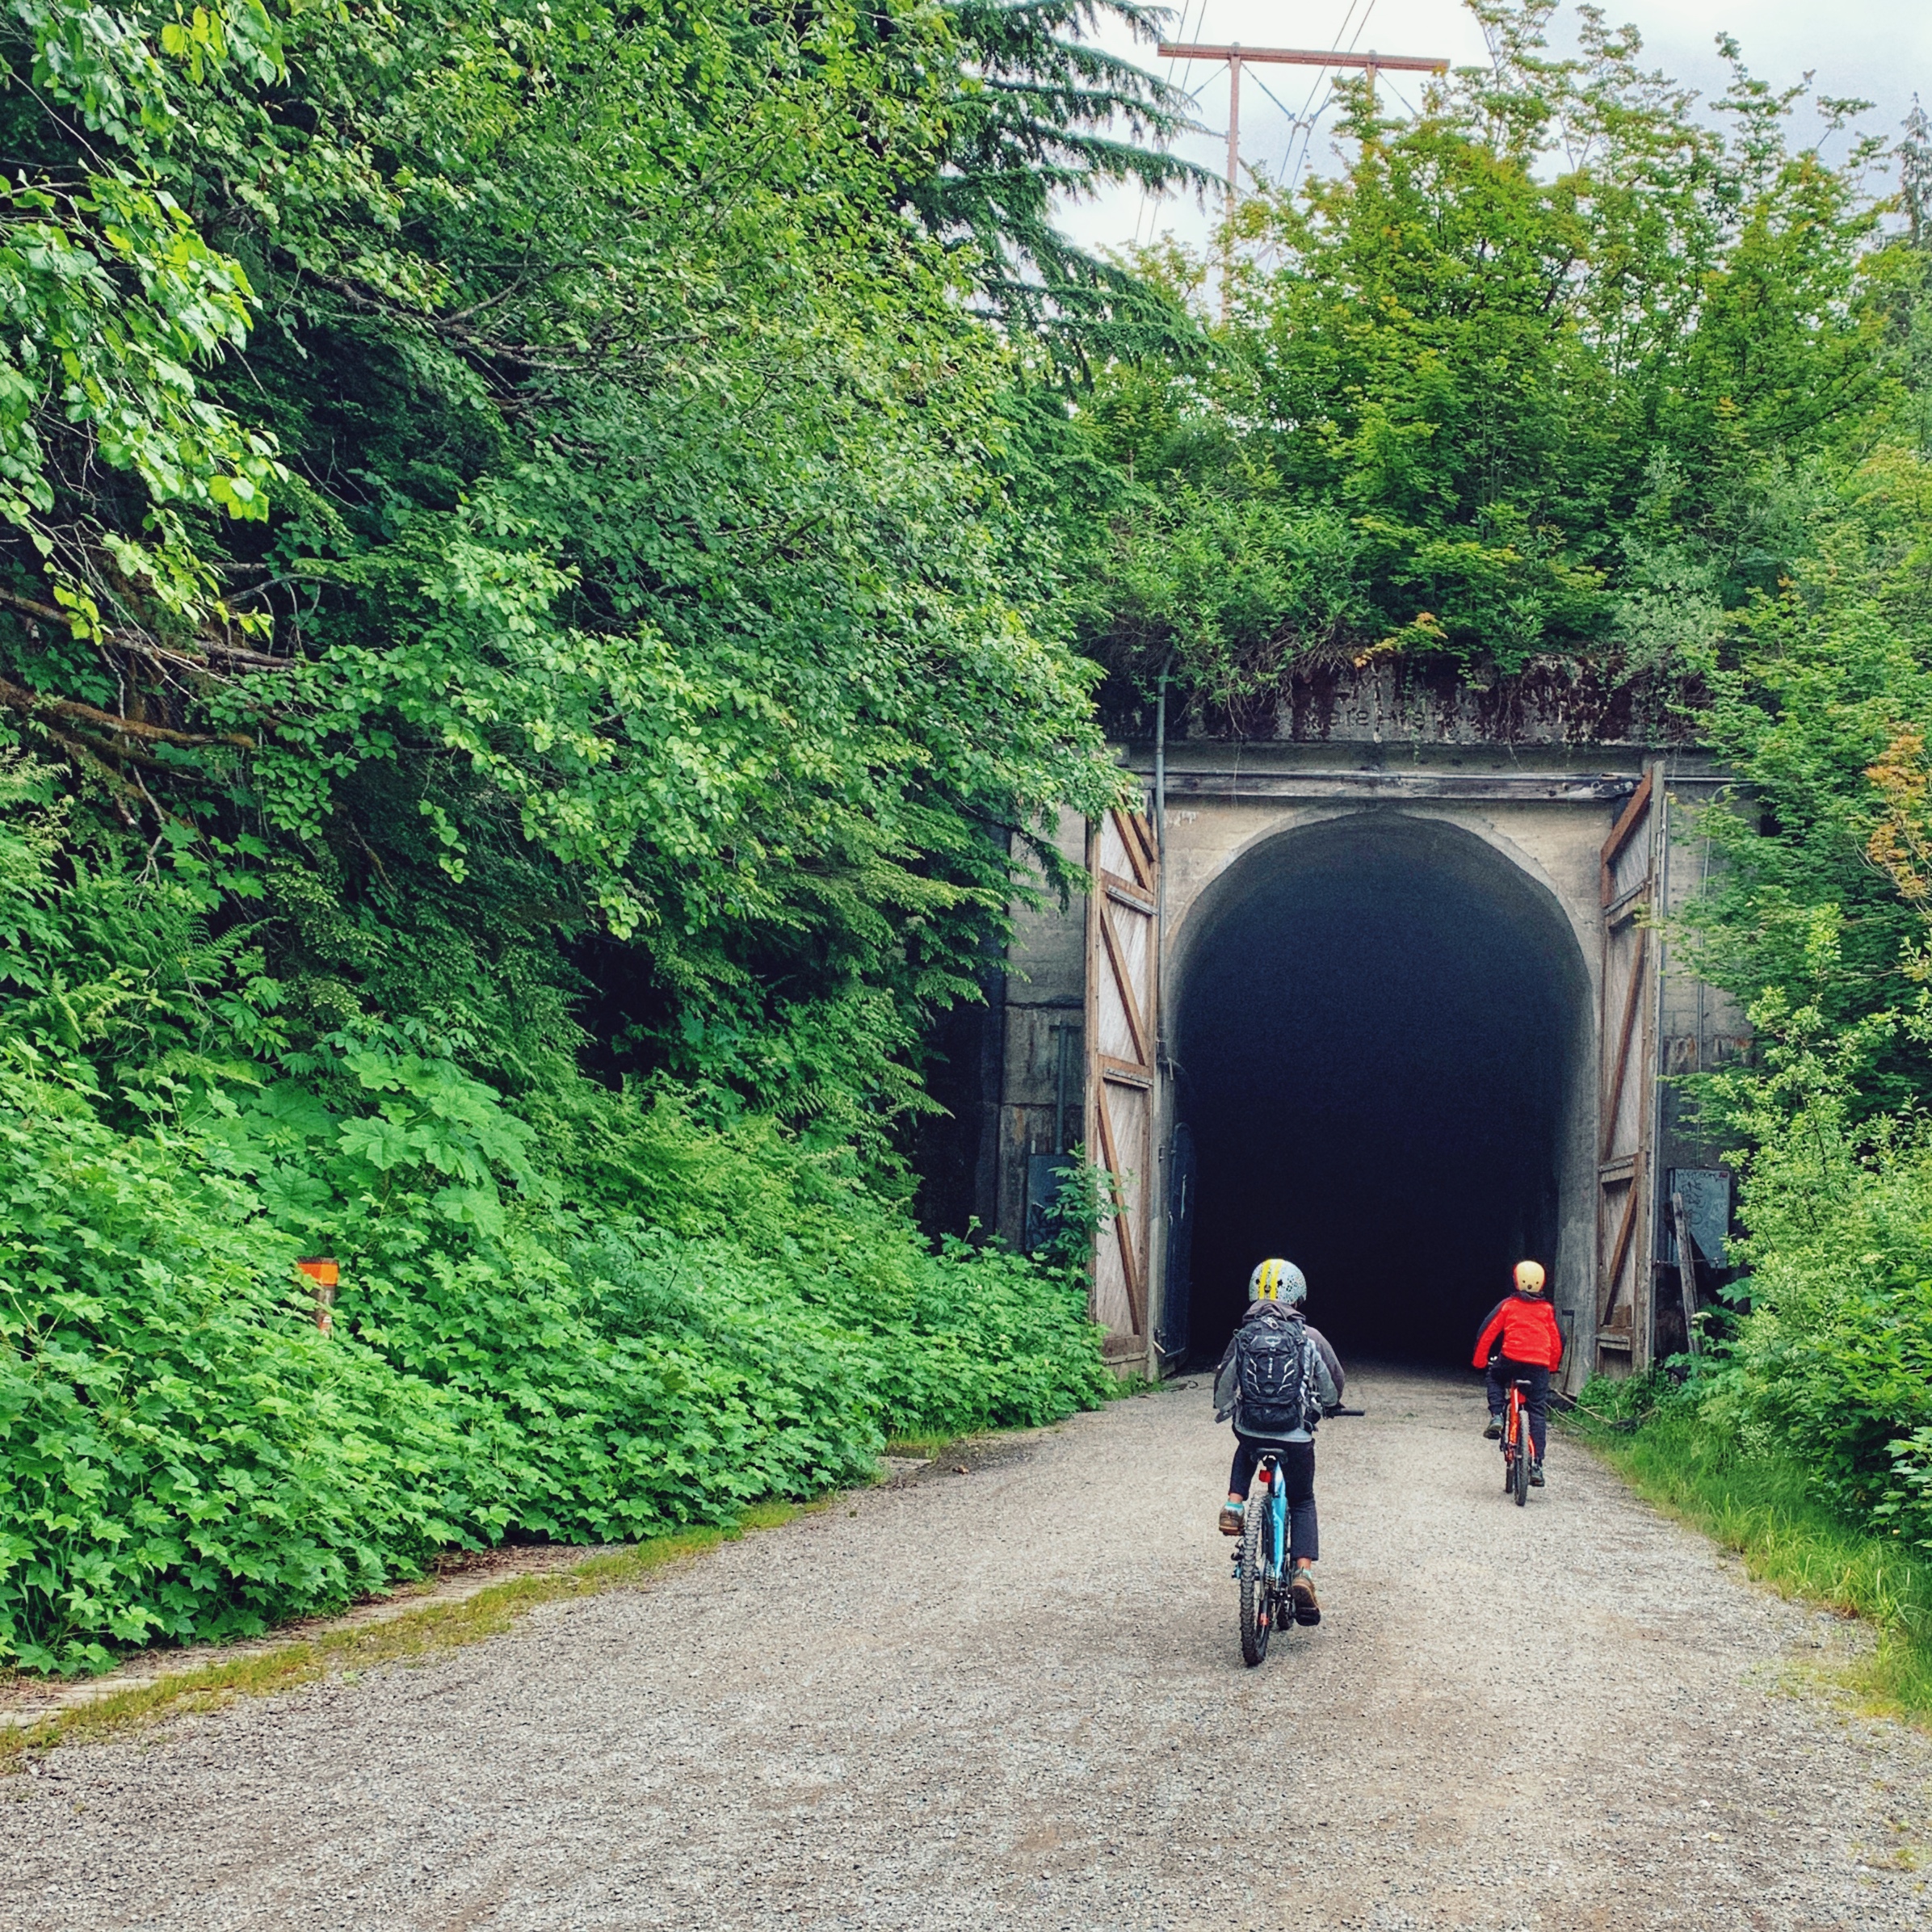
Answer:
(1380, 1026)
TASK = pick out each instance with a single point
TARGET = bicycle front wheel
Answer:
(1258, 1581)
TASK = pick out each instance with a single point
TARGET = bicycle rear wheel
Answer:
(1258, 1581)
(1509, 1452)
(1520, 1470)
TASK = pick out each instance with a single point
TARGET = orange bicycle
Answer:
(1518, 1451)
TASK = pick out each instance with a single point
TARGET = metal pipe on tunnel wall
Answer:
(1162, 1135)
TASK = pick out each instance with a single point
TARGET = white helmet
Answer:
(1278, 1281)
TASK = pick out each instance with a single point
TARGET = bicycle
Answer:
(1519, 1451)
(1261, 1560)
(1261, 1557)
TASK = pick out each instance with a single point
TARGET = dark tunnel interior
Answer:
(1377, 1017)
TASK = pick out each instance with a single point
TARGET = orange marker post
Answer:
(321, 1270)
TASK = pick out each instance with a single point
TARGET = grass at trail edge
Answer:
(1760, 1507)
(413, 1634)
(410, 1636)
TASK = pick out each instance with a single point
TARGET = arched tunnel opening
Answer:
(1381, 1029)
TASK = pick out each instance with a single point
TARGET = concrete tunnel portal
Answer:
(1382, 1036)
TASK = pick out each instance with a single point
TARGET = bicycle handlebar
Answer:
(1339, 1410)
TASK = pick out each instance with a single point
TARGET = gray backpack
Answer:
(1274, 1374)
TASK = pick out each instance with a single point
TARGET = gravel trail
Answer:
(1012, 1698)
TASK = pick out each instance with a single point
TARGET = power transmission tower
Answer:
(1236, 55)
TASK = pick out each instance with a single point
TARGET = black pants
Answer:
(1297, 1461)
(1502, 1372)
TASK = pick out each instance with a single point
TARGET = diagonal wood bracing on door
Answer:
(1122, 1022)
(1628, 1053)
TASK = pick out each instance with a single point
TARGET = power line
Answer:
(1309, 124)
(1413, 114)
(1146, 199)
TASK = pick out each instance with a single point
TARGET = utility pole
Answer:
(1234, 130)
(1235, 54)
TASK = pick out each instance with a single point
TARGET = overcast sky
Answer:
(1877, 50)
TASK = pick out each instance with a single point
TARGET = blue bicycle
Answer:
(1260, 1562)
(1261, 1558)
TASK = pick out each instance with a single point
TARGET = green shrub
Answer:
(579, 1314)
(186, 1457)
(1832, 1364)
(1623, 1401)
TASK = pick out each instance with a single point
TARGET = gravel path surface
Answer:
(1013, 1698)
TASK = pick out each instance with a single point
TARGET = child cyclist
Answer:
(1276, 1377)
(1521, 1342)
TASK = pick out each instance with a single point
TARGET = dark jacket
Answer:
(1329, 1378)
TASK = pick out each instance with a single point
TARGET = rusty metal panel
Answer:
(1706, 1193)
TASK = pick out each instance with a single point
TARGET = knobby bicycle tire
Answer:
(1509, 1452)
(1521, 1471)
(1257, 1585)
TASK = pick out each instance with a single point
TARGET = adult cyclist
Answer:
(1521, 1343)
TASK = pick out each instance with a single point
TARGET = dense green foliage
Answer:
(187, 1457)
(582, 1316)
(1043, 113)
(528, 690)
(593, 542)
(555, 565)
(1526, 375)
(1819, 695)
(1822, 696)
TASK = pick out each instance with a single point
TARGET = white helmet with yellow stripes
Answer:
(1278, 1281)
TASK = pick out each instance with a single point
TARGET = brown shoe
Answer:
(1234, 1518)
(1302, 1590)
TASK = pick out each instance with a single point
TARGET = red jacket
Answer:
(1526, 1326)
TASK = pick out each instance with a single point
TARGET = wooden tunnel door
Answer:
(1627, 1048)
(1124, 997)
